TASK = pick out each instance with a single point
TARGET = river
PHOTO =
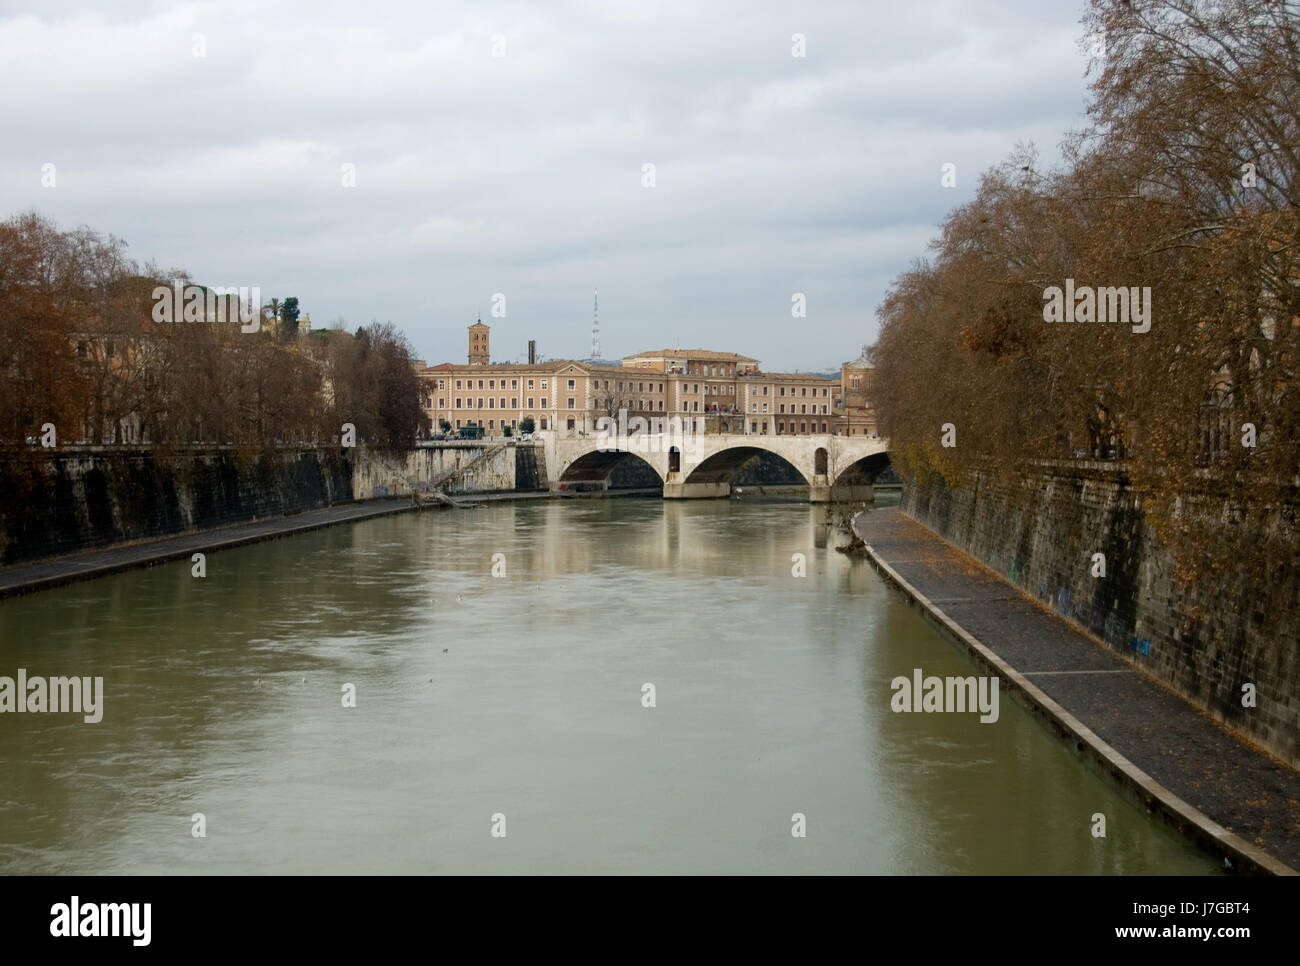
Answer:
(515, 704)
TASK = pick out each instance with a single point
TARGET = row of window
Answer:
(494, 403)
(803, 427)
(803, 408)
(728, 390)
(492, 384)
(754, 426)
(647, 405)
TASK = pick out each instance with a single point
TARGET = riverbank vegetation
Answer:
(81, 351)
(1187, 183)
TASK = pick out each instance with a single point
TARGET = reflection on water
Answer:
(522, 695)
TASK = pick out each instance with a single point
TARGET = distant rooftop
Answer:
(550, 365)
(861, 362)
(789, 375)
(691, 354)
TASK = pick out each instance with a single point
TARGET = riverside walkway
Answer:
(1236, 801)
(53, 571)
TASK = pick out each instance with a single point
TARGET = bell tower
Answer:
(479, 352)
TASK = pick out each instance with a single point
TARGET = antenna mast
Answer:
(595, 326)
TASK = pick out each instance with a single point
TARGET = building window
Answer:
(492, 383)
(570, 423)
(543, 402)
(457, 383)
(543, 386)
(803, 427)
(765, 390)
(514, 383)
(780, 427)
(764, 407)
(543, 422)
(458, 402)
(803, 408)
(480, 402)
(530, 384)
(480, 383)
(514, 402)
(492, 402)
(442, 403)
(856, 382)
(530, 402)
(492, 423)
(572, 405)
(782, 407)
(570, 383)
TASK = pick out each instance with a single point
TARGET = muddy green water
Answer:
(521, 697)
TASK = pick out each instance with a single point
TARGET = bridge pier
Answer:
(696, 491)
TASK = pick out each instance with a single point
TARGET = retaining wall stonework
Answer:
(1203, 642)
(73, 500)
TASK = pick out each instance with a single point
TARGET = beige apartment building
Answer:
(728, 391)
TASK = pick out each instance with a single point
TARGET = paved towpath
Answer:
(52, 571)
(1235, 800)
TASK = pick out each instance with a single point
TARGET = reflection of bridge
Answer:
(835, 467)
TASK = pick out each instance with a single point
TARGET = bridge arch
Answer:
(862, 472)
(595, 468)
(721, 467)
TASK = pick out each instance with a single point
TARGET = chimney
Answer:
(532, 352)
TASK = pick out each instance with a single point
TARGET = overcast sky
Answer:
(522, 174)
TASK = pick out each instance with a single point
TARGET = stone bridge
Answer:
(698, 466)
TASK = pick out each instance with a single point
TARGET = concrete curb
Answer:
(1192, 822)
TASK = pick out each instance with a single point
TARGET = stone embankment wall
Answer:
(456, 467)
(64, 501)
(1203, 642)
